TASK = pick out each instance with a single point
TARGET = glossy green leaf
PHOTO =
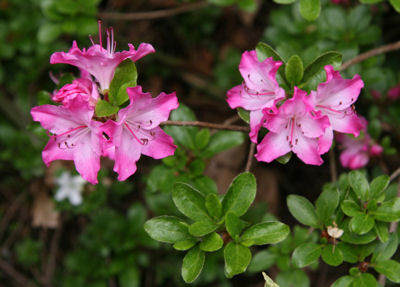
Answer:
(378, 185)
(310, 9)
(365, 280)
(221, 141)
(389, 211)
(344, 281)
(293, 277)
(244, 115)
(189, 201)
(240, 194)
(202, 138)
(353, 238)
(192, 264)
(350, 254)
(213, 205)
(306, 254)
(382, 230)
(389, 268)
(201, 228)
(361, 223)
(332, 255)
(359, 184)
(284, 1)
(326, 204)
(302, 210)
(212, 242)
(105, 109)
(125, 76)
(233, 225)
(285, 158)
(265, 233)
(237, 258)
(386, 250)
(395, 4)
(294, 70)
(350, 208)
(167, 229)
(263, 260)
(185, 244)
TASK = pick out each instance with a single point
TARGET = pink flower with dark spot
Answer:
(82, 88)
(335, 98)
(296, 127)
(100, 62)
(137, 131)
(259, 90)
(74, 136)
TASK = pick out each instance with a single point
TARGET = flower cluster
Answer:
(77, 133)
(304, 123)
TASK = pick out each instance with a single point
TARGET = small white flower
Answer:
(335, 232)
(70, 187)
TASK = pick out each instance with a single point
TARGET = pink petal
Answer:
(353, 160)
(272, 146)
(307, 149)
(345, 121)
(256, 121)
(158, 144)
(325, 141)
(313, 126)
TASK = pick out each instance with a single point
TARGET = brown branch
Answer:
(16, 275)
(207, 125)
(136, 16)
(395, 174)
(371, 53)
(250, 156)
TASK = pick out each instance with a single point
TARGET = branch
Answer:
(250, 156)
(395, 174)
(16, 275)
(369, 54)
(207, 125)
(152, 14)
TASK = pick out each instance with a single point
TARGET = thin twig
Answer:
(332, 165)
(152, 14)
(395, 174)
(51, 262)
(231, 120)
(377, 51)
(16, 275)
(207, 125)
(250, 156)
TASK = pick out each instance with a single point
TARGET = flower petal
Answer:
(272, 146)
(306, 148)
(325, 141)
(158, 144)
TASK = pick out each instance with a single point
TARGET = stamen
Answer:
(112, 43)
(91, 40)
(108, 41)
(100, 40)
(138, 140)
(65, 133)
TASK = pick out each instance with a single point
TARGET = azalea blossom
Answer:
(334, 98)
(73, 136)
(258, 91)
(137, 131)
(357, 151)
(70, 187)
(394, 93)
(85, 89)
(296, 127)
(100, 62)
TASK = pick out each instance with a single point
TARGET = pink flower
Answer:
(82, 88)
(293, 127)
(137, 131)
(394, 93)
(357, 151)
(258, 91)
(335, 98)
(75, 136)
(100, 62)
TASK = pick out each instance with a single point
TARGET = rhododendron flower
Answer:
(258, 91)
(74, 136)
(293, 127)
(100, 62)
(394, 93)
(335, 98)
(357, 151)
(82, 88)
(137, 131)
(70, 187)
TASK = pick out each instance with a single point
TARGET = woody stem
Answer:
(245, 129)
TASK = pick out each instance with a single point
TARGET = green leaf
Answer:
(184, 245)
(237, 258)
(284, 1)
(105, 109)
(365, 280)
(326, 204)
(294, 70)
(359, 184)
(201, 228)
(344, 281)
(240, 194)
(202, 138)
(306, 254)
(293, 277)
(221, 141)
(395, 4)
(350, 208)
(192, 264)
(378, 185)
(167, 229)
(302, 210)
(263, 260)
(361, 223)
(389, 268)
(389, 211)
(233, 225)
(310, 9)
(213, 205)
(382, 230)
(350, 254)
(353, 238)
(385, 251)
(265, 233)
(315, 74)
(265, 51)
(285, 158)
(211, 242)
(244, 115)
(332, 255)
(205, 185)
(189, 201)
(125, 76)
